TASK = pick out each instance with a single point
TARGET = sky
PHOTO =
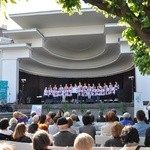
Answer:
(31, 6)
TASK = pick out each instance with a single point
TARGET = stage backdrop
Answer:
(34, 85)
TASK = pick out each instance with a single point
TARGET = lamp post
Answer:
(132, 88)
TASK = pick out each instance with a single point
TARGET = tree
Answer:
(135, 14)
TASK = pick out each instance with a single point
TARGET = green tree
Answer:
(135, 14)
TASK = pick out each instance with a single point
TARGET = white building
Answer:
(52, 44)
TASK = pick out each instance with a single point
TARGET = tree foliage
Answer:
(135, 14)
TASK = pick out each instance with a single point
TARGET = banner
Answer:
(3, 90)
(37, 109)
(138, 103)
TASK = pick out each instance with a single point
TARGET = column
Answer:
(10, 73)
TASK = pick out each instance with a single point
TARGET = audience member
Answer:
(43, 127)
(6, 146)
(100, 117)
(20, 116)
(147, 138)
(49, 118)
(41, 140)
(19, 134)
(115, 111)
(70, 123)
(83, 142)
(75, 113)
(12, 123)
(33, 113)
(5, 133)
(141, 126)
(53, 129)
(110, 118)
(33, 127)
(115, 141)
(130, 138)
(126, 119)
(63, 137)
(88, 127)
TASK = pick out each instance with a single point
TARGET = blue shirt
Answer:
(126, 122)
(141, 126)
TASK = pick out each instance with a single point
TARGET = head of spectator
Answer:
(50, 117)
(116, 129)
(4, 123)
(42, 119)
(130, 136)
(66, 114)
(12, 123)
(33, 113)
(19, 131)
(114, 110)
(100, 113)
(20, 116)
(74, 112)
(35, 119)
(70, 122)
(41, 140)
(126, 115)
(62, 123)
(84, 142)
(88, 112)
(6, 146)
(86, 119)
(60, 113)
(140, 115)
(43, 127)
(110, 116)
(73, 117)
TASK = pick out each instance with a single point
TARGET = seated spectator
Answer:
(130, 138)
(83, 142)
(3, 106)
(6, 146)
(33, 127)
(88, 127)
(5, 133)
(74, 112)
(53, 129)
(19, 134)
(63, 137)
(70, 123)
(126, 119)
(100, 117)
(12, 123)
(20, 116)
(66, 114)
(147, 138)
(50, 117)
(110, 118)
(43, 127)
(115, 141)
(141, 126)
(33, 113)
(115, 111)
(41, 140)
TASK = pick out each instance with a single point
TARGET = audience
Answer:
(12, 123)
(20, 116)
(33, 113)
(6, 146)
(100, 117)
(83, 142)
(5, 133)
(88, 127)
(63, 137)
(41, 140)
(147, 138)
(115, 141)
(141, 126)
(115, 111)
(110, 118)
(33, 127)
(19, 134)
(70, 123)
(126, 119)
(130, 138)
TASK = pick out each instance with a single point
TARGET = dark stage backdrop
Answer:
(35, 85)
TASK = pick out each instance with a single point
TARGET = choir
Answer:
(81, 93)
